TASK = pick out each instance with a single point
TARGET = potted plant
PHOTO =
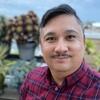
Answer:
(4, 66)
(25, 31)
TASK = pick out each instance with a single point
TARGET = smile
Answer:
(61, 56)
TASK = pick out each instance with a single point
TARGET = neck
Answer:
(58, 77)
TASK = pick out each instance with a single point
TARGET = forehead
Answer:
(61, 23)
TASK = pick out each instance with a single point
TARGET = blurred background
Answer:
(19, 31)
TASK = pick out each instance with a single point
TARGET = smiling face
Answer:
(62, 44)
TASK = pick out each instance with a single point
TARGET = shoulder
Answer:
(32, 81)
(91, 82)
(94, 77)
(91, 77)
(94, 74)
(37, 73)
(91, 72)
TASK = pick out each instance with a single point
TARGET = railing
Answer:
(92, 35)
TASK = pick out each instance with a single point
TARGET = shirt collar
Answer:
(77, 75)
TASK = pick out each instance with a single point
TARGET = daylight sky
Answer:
(88, 10)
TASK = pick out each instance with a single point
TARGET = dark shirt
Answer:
(84, 84)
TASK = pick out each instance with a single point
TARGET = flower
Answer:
(24, 28)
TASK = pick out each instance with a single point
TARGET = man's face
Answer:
(62, 44)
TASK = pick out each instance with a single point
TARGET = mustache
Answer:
(63, 55)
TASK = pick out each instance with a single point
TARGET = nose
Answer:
(61, 46)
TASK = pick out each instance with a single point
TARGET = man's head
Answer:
(62, 39)
(59, 10)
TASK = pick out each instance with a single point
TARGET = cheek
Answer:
(46, 54)
(79, 47)
(45, 49)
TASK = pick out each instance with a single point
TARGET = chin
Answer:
(62, 68)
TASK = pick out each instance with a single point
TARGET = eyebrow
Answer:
(71, 31)
(49, 34)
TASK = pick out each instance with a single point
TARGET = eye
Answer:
(70, 37)
(50, 39)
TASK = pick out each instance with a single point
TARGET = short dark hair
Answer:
(59, 10)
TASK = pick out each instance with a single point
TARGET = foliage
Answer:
(96, 62)
(3, 29)
(3, 50)
(1, 81)
(23, 28)
(93, 53)
(90, 46)
(4, 64)
(19, 70)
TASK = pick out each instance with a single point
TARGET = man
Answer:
(67, 76)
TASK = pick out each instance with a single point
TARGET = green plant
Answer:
(19, 70)
(90, 46)
(4, 64)
(3, 50)
(2, 86)
(96, 62)
(93, 53)
(3, 28)
(24, 28)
